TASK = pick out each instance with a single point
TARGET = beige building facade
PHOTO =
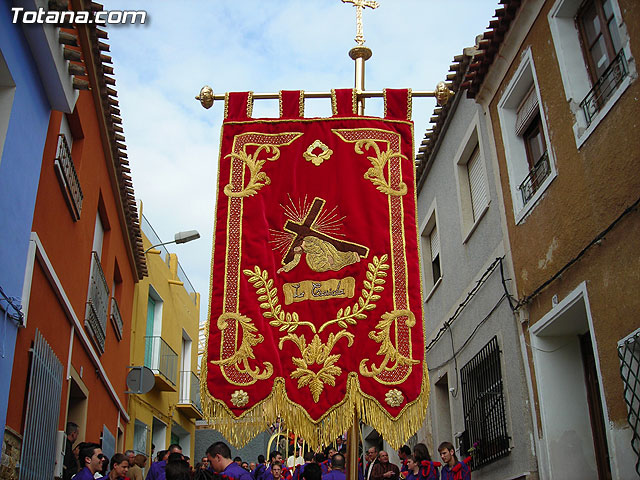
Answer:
(560, 91)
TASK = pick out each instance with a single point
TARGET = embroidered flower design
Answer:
(394, 398)
(239, 398)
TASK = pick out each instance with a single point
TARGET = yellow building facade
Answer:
(164, 338)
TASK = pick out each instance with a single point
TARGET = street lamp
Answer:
(180, 237)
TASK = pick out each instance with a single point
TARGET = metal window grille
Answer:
(534, 179)
(116, 318)
(629, 353)
(161, 358)
(97, 304)
(140, 434)
(485, 435)
(38, 456)
(190, 389)
(604, 88)
(68, 177)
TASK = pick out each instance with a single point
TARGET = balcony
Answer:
(534, 179)
(163, 362)
(116, 318)
(96, 314)
(605, 87)
(189, 400)
(68, 178)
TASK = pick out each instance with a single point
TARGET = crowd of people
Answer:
(86, 461)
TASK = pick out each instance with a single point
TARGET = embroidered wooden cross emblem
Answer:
(360, 5)
(305, 229)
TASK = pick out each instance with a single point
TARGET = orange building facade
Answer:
(84, 261)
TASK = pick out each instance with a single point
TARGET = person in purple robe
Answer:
(219, 455)
(157, 469)
(90, 458)
(337, 468)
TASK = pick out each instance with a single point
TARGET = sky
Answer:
(261, 46)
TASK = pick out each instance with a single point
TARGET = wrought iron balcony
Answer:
(163, 361)
(605, 87)
(534, 179)
(96, 315)
(116, 317)
(68, 178)
(189, 401)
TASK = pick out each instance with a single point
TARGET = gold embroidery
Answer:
(394, 398)
(226, 105)
(239, 398)
(316, 353)
(323, 252)
(258, 178)
(334, 102)
(376, 173)
(240, 358)
(301, 104)
(321, 157)
(409, 104)
(280, 102)
(374, 285)
(268, 295)
(354, 101)
(387, 347)
(319, 290)
(249, 104)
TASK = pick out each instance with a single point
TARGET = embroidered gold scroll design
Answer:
(268, 296)
(393, 358)
(376, 173)
(243, 353)
(316, 353)
(258, 178)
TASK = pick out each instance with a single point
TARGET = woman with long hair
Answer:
(427, 469)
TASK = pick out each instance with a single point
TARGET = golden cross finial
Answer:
(360, 5)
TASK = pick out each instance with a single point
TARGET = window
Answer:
(430, 247)
(599, 34)
(484, 407)
(473, 189)
(98, 295)
(434, 247)
(592, 47)
(524, 133)
(66, 170)
(140, 434)
(7, 92)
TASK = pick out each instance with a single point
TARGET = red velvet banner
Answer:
(316, 308)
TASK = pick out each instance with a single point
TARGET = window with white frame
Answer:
(473, 191)
(524, 130)
(592, 47)
(431, 253)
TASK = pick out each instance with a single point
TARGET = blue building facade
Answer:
(33, 81)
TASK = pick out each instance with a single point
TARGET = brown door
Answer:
(596, 414)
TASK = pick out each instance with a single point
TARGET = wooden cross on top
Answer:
(360, 5)
(304, 229)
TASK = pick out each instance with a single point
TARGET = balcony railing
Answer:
(605, 87)
(68, 178)
(534, 179)
(161, 359)
(190, 389)
(97, 303)
(116, 317)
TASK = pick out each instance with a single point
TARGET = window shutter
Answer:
(434, 242)
(527, 111)
(477, 184)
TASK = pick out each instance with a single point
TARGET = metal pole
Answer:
(360, 54)
(352, 448)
